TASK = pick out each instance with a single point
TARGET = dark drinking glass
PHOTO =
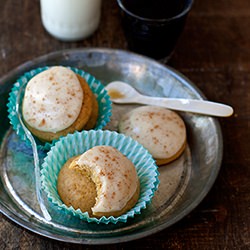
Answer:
(152, 27)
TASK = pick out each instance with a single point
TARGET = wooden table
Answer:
(214, 53)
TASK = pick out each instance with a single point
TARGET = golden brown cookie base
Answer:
(94, 115)
(161, 162)
(75, 188)
(82, 120)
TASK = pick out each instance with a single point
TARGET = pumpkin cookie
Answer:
(158, 129)
(114, 176)
(57, 102)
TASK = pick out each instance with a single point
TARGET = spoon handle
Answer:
(189, 105)
(36, 159)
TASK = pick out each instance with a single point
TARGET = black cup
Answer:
(152, 27)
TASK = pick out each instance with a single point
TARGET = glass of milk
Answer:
(70, 20)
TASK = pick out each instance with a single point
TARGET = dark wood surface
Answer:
(214, 52)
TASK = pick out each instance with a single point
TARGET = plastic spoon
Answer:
(35, 156)
(121, 92)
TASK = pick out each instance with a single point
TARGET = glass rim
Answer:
(182, 13)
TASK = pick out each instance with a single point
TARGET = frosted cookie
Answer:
(57, 102)
(158, 129)
(114, 176)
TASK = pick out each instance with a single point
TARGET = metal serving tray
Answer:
(184, 183)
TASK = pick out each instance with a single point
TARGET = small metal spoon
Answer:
(121, 92)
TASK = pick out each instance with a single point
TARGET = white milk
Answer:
(70, 20)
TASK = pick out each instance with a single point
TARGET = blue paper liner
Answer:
(103, 99)
(78, 143)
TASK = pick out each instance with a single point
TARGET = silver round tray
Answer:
(183, 183)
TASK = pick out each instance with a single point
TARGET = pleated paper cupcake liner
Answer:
(78, 143)
(104, 103)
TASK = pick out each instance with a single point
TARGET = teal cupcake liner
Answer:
(103, 99)
(78, 143)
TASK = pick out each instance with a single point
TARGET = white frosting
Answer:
(116, 174)
(52, 100)
(159, 130)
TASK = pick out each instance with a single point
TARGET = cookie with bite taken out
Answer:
(101, 181)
